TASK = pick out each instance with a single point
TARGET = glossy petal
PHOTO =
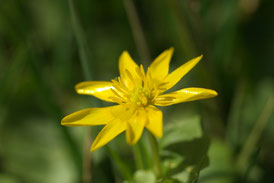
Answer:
(135, 126)
(160, 66)
(135, 92)
(124, 112)
(99, 89)
(109, 132)
(155, 124)
(184, 95)
(180, 72)
(91, 116)
(127, 68)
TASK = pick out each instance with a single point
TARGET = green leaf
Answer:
(185, 130)
(184, 150)
(222, 164)
(34, 152)
(143, 176)
(169, 180)
(7, 179)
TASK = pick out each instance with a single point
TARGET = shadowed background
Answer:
(46, 47)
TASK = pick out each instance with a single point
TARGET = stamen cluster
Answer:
(141, 94)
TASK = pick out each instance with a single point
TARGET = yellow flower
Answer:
(136, 93)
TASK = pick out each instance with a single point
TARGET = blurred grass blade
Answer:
(233, 125)
(17, 65)
(53, 110)
(226, 37)
(186, 41)
(84, 59)
(255, 135)
(81, 42)
(137, 31)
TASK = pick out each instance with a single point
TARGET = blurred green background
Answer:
(47, 46)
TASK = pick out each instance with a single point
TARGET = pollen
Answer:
(139, 96)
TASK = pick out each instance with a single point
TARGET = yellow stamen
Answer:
(117, 86)
(115, 99)
(130, 76)
(122, 84)
(137, 69)
(118, 96)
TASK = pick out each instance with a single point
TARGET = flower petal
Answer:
(135, 126)
(184, 95)
(99, 89)
(155, 125)
(91, 116)
(180, 72)
(109, 132)
(127, 68)
(160, 66)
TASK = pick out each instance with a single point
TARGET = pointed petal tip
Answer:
(211, 93)
(67, 122)
(158, 135)
(171, 49)
(125, 52)
(62, 122)
(199, 58)
(123, 55)
(214, 93)
(93, 148)
(95, 145)
(131, 142)
(196, 60)
(76, 87)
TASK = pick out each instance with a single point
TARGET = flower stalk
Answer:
(137, 152)
(156, 155)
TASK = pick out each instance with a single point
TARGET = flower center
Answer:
(139, 96)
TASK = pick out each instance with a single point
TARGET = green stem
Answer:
(87, 174)
(137, 152)
(146, 153)
(122, 166)
(155, 155)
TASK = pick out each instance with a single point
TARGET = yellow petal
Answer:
(91, 116)
(180, 72)
(155, 125)
(109, 132)
(184, 95)
(135, 126)
(127, 68)
(160, 66)
(99, 89)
